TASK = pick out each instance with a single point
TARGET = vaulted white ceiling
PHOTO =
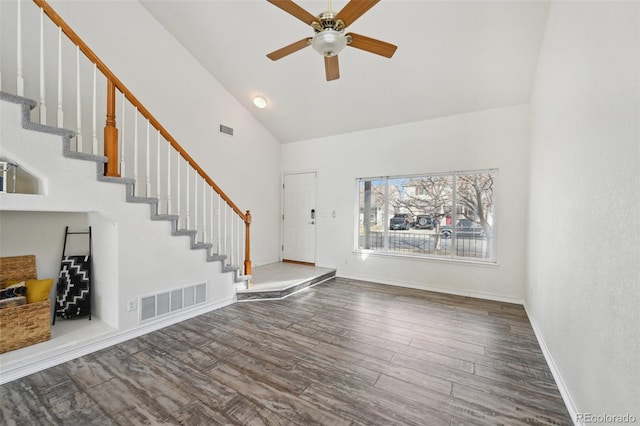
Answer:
(453, 57)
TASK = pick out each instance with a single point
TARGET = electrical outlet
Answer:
(132, 305)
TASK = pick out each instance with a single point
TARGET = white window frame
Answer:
(387, 252)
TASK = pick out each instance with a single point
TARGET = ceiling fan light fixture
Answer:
(329, 39)
(260, 102)
(329, 42)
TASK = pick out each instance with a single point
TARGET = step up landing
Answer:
(279, 280)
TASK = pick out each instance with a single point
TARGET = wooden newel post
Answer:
(247, 243)
(111, 133)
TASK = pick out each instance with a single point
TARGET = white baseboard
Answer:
(68, 352)
(426, 287)
(562, 387)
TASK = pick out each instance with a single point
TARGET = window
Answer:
(433, 215)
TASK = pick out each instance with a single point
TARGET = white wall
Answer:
(583, 289)
(42, 234)
(190, 104)
(487, 139)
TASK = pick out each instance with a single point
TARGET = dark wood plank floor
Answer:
(342, 353)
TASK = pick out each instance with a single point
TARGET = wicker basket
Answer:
(28, 324)
(24, 325)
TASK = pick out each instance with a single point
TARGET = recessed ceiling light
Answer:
(260, 102)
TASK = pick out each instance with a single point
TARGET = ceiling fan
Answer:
(329, 38)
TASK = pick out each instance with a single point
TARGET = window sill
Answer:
(458, 261)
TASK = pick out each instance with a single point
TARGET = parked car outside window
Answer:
(464, 228)
(424, 221)
(400, 221)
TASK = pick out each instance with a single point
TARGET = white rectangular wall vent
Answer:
(147, 307)
(176, 300)
(160, 304)
(226, 130)
(189, 296)
(201, 293)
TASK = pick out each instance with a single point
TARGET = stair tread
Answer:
(115, 179)
(165, 217)
(85, 156)
(229, 268)
(142, 200)
(216, 258)
(201, 246)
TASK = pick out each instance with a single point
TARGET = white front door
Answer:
(299, 218)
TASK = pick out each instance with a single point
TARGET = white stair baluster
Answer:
(219, 216)
(168, 178)
(158, 169)
(231, 241)
(211, 213)
(226, 233)
(94, 113)
(135, 152)
(147, 162)
(60, 117)
(195, 203)
(179, 212)
(19, 78)
(43, 106)
(204, 211)
(235, 238)
(121, 133)
(78, 103)
(186, 188)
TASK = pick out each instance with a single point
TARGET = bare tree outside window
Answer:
(474, 198)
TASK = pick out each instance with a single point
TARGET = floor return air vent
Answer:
(160, 304)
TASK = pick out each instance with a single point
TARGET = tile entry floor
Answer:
(282, 279)
(281, 275)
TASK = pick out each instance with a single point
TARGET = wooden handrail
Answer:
(66, 29)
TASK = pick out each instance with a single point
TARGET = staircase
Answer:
(129, 183)
(136, 151)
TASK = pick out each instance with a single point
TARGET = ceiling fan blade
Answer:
(331, 68)
(293, 9)
(354, 9)
(287, 50)
(372, 45)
